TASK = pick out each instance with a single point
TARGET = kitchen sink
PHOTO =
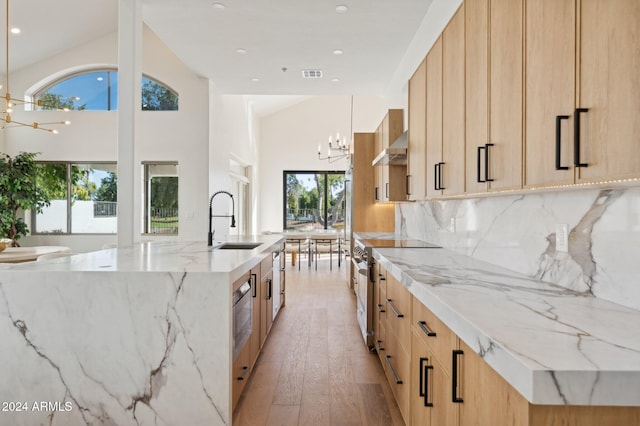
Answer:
(237, 246)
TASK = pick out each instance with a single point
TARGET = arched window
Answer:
(97, 90)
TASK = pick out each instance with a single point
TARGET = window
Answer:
(83, 199)
(160, 198)
(240, 174)
(314, 200)
(97, 90)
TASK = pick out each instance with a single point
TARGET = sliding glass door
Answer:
(313, 200)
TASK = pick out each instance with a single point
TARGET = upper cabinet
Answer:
(493, 97)
(390, 177)
(416, 151)
(445, 111)
(582, 100)
(503, 153)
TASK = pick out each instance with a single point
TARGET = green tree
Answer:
(53, 101)
(108, 189)
(19, 191)
(164, 192)
(156, 97)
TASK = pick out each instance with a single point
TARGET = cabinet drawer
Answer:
(266, 266)
(439, 337)
(381, 343)
(381, 277)
(398, 307)
(397, 366)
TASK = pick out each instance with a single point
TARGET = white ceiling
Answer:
(276, 34)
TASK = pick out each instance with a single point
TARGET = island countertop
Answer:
(126, 336)
(554, 345)
(164, 256)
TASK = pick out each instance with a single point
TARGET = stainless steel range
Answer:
(363, 278)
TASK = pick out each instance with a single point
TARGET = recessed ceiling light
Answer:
(335, 80)
(338, 51)
(15, 30)
(341, 8)
(241, 51)
(218, 6)
(255, 80)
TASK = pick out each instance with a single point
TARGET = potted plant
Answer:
(18, 192)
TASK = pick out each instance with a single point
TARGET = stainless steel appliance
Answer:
(242, 316)
(363, 278)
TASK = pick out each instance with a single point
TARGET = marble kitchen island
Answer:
(131, 336)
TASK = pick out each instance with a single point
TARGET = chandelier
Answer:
(342, 148)
(6, 121)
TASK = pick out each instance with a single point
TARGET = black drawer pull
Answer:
(454, 376)
(394, 309)
(379, 345)
(576, 137)
(254, 281)
(244, 373)
(559, 119)
(380, 308)
(486, 162)
(425, 329)
(424, 381)
(480, 149)
(393, 372)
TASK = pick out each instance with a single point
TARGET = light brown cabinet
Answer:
(417, 135)
(434, 116)
(445, 111)
(451, 171)
(266, 298)
(581, 99)
(390, 180)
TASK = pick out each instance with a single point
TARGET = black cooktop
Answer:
(380, 243)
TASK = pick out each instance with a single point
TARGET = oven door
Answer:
(364, 305)
(242, 317)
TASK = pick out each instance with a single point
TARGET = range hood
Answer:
(395, 155)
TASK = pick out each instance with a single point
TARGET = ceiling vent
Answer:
(311, 73)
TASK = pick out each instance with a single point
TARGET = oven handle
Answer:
(371, 277)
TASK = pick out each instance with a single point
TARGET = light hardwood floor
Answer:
(314, 368)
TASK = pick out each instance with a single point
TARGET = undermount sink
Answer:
(237, 246)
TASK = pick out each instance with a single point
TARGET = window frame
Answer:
(146, 196)
(69, 201)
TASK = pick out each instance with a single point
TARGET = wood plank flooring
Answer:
(314, 368)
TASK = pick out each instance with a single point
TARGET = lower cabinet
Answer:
(266, 298)
(438, 380)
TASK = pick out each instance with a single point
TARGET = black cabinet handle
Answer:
(379, 345)
(380, 308)
(375, 192)
(381, 277)
(424, 381)
(386, 190)
(244, 373)
(435, 176)
(480, 149)
(576, 138)
(425, 329)
(393, 372)
(394, 309)
(486, 162)
(559, 119)
(407, 185)
(254, 281)
(440, 187)
(270, 284)
(454, 376)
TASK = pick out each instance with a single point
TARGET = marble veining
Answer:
(518, 232)
(133, 336)
(555, 345)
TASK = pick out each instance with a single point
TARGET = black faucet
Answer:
(211, 215)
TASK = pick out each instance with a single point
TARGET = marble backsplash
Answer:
(518, 232)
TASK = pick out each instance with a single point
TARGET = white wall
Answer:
(181, 136)
(289, 141)
(233, 134)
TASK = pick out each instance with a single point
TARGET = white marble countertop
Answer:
(553, 345)
(164, 256)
